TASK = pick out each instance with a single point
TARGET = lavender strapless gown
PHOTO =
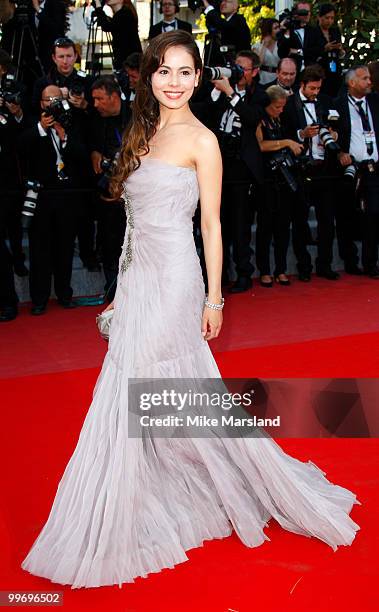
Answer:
(125, 508)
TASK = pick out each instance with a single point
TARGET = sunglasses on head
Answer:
(64, 42)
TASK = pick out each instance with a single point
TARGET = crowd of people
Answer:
(294, 130)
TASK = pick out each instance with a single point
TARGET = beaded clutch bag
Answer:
(103, 322)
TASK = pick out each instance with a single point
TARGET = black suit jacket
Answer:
(124, 29)
(344, 124)
(39, 158)
(234, 32)
(313, 45)
(294, 118)
(250, 110)
(158, 28)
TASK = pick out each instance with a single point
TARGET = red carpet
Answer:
(43, 413)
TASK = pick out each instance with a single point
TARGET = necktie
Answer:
(363, 116)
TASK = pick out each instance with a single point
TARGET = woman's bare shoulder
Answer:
(201, 137)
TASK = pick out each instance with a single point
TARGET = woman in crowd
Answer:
(273, 218)
(267, 50)
(333, 51)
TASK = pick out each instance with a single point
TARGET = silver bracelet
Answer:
(214, 306)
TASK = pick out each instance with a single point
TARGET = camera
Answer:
(291, 18)
(107, 165)
(10, 91)
(198, 4)
(30, 203)
(22, 11)
(327, 139)
(61, 111)
(327, 122)
(79, 84)
(234, 73)
(282, 161)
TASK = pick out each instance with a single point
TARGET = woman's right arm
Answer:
(269, 146)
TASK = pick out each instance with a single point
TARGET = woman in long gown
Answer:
(127, 506)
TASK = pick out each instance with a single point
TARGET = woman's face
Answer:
(275, 29)
(275, 109)
(326, 21)
(174, 81)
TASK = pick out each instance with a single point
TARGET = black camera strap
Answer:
(307, 112)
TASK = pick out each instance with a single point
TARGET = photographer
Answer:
(285, 75)
(333, 52)
(274, 207)
(233, 30)
(11, 123)
(42, 20)
(169, 8)
(123, 26)
(359, 129)
(56, 157)
(74, 88)
(297, 38)
(109, 123)
(128, 77)
(306, 118)
(235, 112)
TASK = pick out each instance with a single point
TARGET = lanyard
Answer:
(309, 113)
(365, 120)
(58, 146)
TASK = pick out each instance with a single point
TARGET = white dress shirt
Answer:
(358, 147)
(318, 151)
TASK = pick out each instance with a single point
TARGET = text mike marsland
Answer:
(204, 421)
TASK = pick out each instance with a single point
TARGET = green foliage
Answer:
(358, 20)
(359, 23)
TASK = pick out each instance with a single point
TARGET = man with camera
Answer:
(29, 34)
(56, 163)
(307, 119)
(75, 86)
(11, 123)
(236, 112)
(109, 123)
(169, 8)
(359, 141)
(233, 31)
(297, 38)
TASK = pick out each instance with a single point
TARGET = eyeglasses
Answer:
(64, 42)
(52, 99)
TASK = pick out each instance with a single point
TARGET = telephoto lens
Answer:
(328, 140)
(30, 203)
(350, 172)
(233, 73)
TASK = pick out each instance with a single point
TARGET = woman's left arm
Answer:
(209, 174)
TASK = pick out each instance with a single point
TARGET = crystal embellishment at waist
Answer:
(128, 256)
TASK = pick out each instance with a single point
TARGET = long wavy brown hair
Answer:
(145, 108)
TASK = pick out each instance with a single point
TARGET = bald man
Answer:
(56, 157)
